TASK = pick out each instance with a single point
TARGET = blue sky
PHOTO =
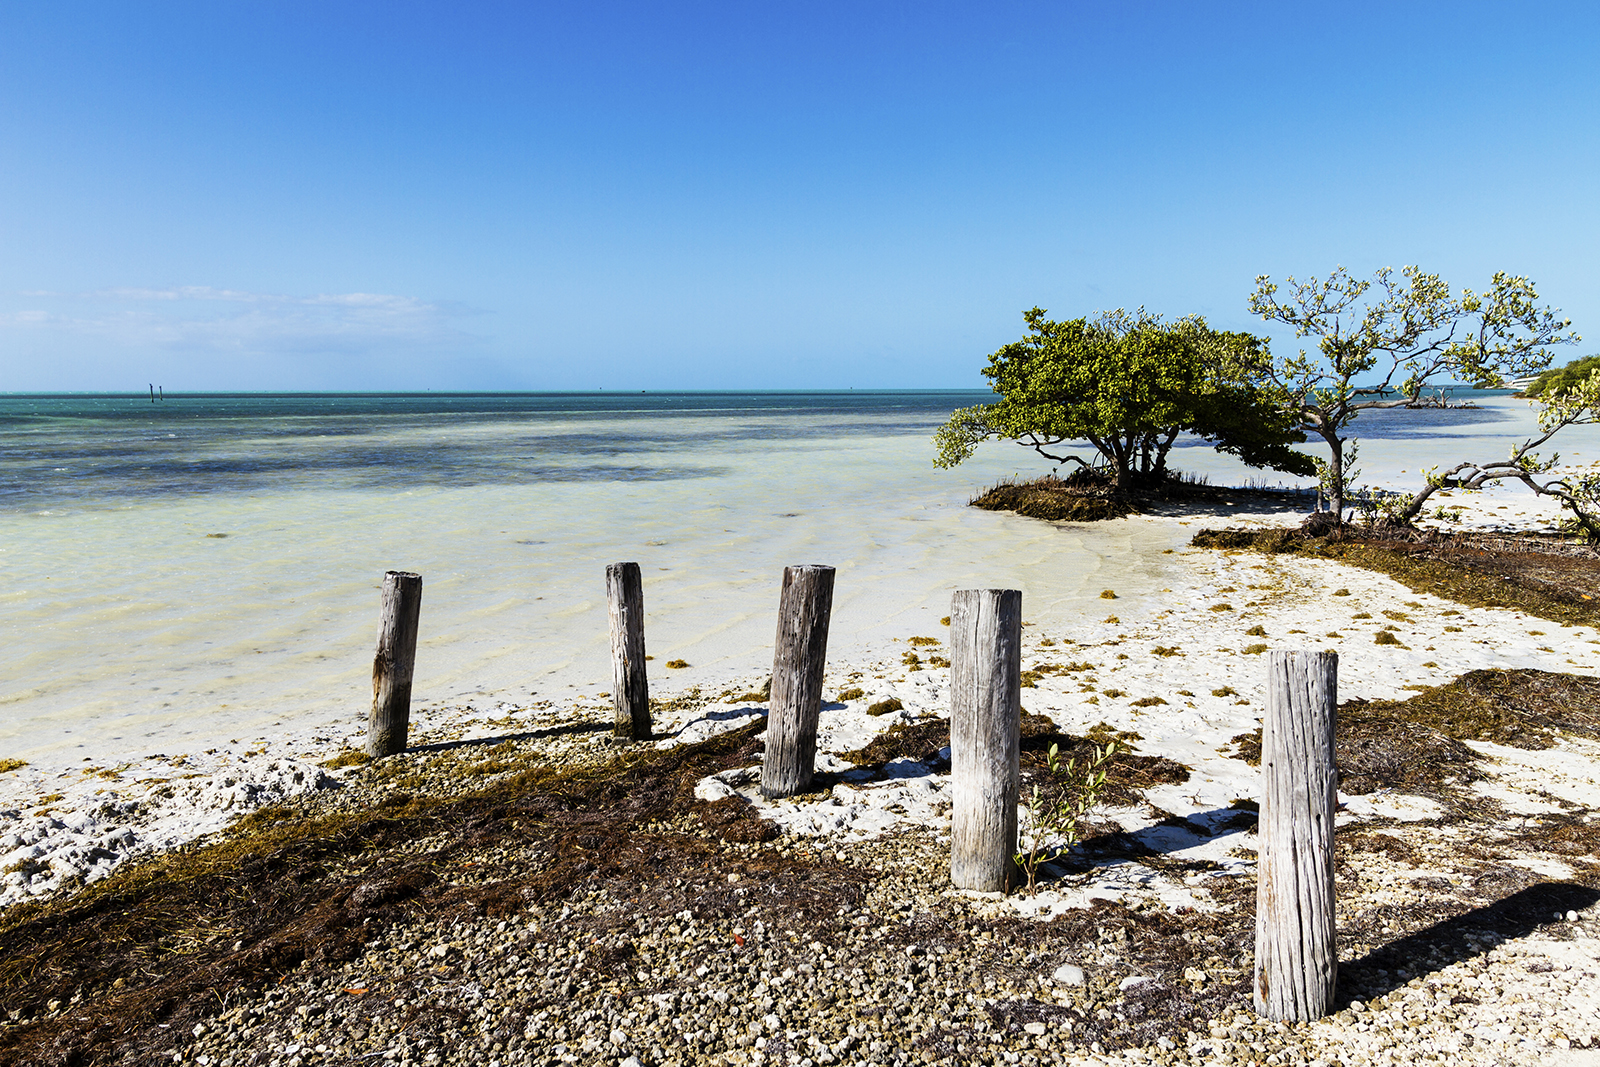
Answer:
(748, 195)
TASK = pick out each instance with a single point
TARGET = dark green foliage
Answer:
(1559, 379)
(1128, 384)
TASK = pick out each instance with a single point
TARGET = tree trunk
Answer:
(1413, 507)
(1335, 474)
(1162, 448)
(1119, 463)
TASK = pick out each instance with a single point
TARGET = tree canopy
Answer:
(1128, 384)
(1559, 380)
(1396, 333)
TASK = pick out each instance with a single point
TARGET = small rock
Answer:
(1036, 1029)
(1067, 974)
(712, 789)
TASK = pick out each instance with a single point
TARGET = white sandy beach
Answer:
(1181, 644)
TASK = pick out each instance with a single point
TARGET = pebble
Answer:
(1067, 974)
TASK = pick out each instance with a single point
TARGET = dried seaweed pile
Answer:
(1415, 745)
(1543, 577)
(155, 947)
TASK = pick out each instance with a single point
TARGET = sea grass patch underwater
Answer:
(1538, 576)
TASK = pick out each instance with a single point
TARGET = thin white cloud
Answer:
(200, 317)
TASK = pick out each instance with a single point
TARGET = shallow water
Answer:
(206, 568)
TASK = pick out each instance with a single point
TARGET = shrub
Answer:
(1254, 650)
(855, 692)
(1053, 812)
(884, 707)
(1107, 594)
(677, 664)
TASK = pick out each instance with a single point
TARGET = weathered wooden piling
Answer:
(798, 659)
(630, 688)
(1297, 955)
(985, 736)
(393, 662)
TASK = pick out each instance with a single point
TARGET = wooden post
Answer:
(1297, 956)
(798, 659)
(985, 736)
(392, 664)
(630, 689)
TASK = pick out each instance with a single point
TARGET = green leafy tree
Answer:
(1395, 336)
(1128, 384)
(1559, 379)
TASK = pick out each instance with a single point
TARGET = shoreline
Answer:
(97, 816)
(1177, 672)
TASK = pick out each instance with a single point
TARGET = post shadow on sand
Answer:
(1381, 971)
(1460, 938)
(749, 712)
(564, 730)
(1173, 834)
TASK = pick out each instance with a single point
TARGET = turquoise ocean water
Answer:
(206, 567)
